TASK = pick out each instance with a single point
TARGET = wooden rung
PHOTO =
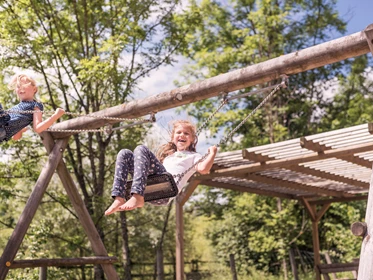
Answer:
(338, 267)
(62, 262)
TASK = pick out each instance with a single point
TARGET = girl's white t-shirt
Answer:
(179, 162)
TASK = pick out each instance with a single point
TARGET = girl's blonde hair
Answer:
(17, 80)
(170, 148)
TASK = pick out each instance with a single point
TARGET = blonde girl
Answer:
(174, 157)
(14, 123)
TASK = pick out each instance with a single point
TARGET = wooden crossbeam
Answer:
(340, 199)
(63, 262)
(300, 61)
(284, 163)
(338, 267)
(234, 187)
(310, 171)
(329, 176)
(314, 146)
(292, 185)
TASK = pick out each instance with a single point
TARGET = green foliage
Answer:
(86, 56)
(352, 102)
(334, 230)
(90, 55)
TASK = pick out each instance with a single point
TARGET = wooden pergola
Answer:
(354, 45)
(316, 170)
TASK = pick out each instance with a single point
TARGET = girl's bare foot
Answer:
(114, 207)
(136, 201)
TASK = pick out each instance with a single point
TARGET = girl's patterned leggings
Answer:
(139, 163)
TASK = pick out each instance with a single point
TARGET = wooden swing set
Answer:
(55, 142)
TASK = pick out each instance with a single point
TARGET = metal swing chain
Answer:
(102, 129)
(108, 129)
(223, 102)
(72, 114)
(265, 100)
(225, 139)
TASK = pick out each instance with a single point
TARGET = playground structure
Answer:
(251, 166)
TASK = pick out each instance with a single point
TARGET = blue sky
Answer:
(358, 13)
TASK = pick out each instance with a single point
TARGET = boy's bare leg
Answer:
(114, 207)
(136, 201)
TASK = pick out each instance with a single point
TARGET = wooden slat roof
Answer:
(334, 165)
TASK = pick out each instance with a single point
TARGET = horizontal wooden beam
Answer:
(309, 171)
(314, 146)
(62, 262)
(329, 176)
(284, 163)
(338, 267)
(300, 61)
(233, 187)
(294, 186)
(339, 199)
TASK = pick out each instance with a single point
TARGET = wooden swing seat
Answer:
(158, 186)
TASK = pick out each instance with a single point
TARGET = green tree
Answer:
(87, 55)
(237, 34)
(351, 104)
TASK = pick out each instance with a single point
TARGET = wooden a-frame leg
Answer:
(179, 240)
(32, 204)
(85, 219)
(179, 203)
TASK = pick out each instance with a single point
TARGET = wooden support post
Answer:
(366, 253)
(293, 264)
(179, 203)
(316, 248)
(82, 212)
(160, 266)
(32, 204)
(43, 273)
(179, 241)
(232, 264)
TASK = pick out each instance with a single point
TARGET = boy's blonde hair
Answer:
(170, 148)
(17, 80)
